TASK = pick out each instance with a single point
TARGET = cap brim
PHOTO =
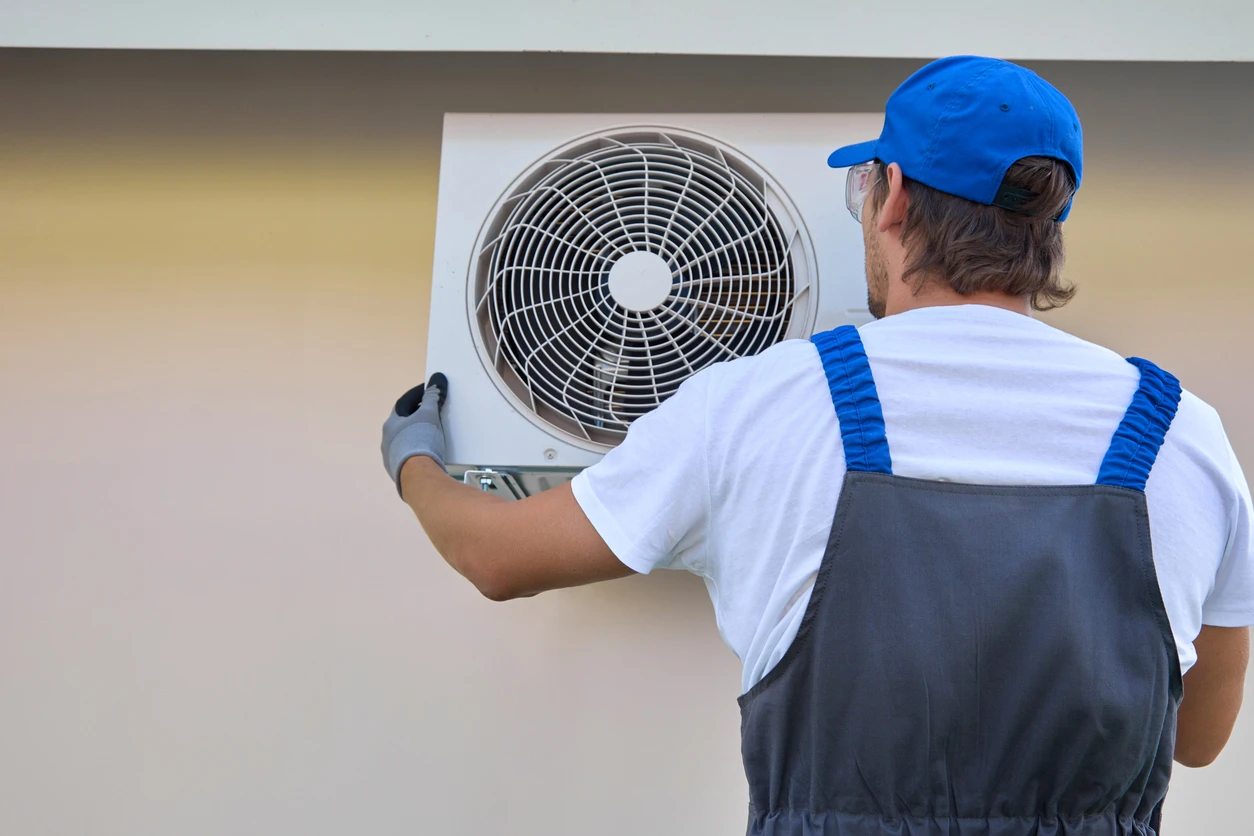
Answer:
(863, 152)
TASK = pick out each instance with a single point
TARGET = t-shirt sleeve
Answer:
(1231, 601)
(649, 497)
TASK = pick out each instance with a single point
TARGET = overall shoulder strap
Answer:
(856, 401)
(1140, 435)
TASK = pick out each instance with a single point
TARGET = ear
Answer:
(893, 212)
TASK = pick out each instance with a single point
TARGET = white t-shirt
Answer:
(737, 476)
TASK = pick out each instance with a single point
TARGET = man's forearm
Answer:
(455, 516)
(508, 549)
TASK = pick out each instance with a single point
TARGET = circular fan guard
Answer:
(583, 363)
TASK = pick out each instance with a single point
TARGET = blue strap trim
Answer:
(856, 401)
(1137, 441)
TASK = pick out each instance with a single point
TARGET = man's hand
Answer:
(414, 428)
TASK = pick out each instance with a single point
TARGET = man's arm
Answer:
(507, 549)
(1213, 689)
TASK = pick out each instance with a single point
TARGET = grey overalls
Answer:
(976, 660)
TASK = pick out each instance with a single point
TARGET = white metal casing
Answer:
(483, 155)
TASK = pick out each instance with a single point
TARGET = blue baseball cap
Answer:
(959, 123)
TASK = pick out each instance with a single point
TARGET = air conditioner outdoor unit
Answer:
(586, 265)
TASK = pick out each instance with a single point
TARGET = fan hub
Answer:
(640, 281)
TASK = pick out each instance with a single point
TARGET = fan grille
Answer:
(588, 364)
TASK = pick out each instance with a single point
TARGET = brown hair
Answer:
(975, 247)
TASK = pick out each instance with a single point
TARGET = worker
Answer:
(983, 576)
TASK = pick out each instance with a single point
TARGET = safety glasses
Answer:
(857, 184)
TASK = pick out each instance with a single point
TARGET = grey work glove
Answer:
(414, 428)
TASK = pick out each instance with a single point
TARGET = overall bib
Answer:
(976, 660)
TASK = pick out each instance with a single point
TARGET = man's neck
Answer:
(933, 296)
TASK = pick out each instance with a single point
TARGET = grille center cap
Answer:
(640, 281)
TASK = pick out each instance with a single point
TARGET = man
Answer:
(928, 539)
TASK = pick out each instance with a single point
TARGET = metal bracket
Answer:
(495, 481)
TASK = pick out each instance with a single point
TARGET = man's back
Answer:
(744, 466)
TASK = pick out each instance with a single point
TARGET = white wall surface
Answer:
(216, 617)
(1142, 30)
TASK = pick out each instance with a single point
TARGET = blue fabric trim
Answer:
(1136, 443)
(857, 403)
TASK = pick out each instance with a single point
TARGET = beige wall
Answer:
(216, 617)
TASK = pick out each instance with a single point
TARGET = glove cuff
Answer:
(415, 440)
(397, 477)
